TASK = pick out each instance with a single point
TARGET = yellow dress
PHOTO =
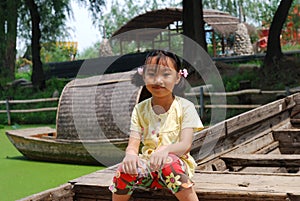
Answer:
(164, 129)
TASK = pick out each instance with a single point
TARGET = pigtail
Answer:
(137, 79)
(181, 86)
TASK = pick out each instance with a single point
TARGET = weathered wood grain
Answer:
(261, 160)
(208, 185)
(260, 143)
(61, 193)
(41, 144)
(289, 140)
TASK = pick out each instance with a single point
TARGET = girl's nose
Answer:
(158, 80)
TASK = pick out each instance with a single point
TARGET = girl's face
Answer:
(160, 76)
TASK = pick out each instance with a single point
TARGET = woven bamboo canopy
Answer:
(170, 19)
(221, 22)
(97, 107)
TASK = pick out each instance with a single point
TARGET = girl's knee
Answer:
(122, 183)
(187, 194)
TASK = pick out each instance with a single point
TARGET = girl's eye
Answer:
(151, 74)
(166, 74)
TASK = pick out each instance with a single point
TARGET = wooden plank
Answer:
(259, 114)
(266, 169)
(246, 185)
(260, 160)
(208, 185)
(46, 109)
(31, 131)
(229, 106)
(295, 121)
(238, 129)
(34, 100)
(291, 135)
(293, 197)
(216, 139)
(290, 148)
(268, 148)
(289, 140)
(256, 144)
(61, 193)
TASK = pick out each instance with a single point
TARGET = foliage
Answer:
(90, 52)
(290, 47)
(256, 12)
(53, 20)
(35, 17)
(232, 83)
(56, 53)
(24, 93)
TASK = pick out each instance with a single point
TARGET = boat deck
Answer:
(208, 185)
(255, 156)
(265, 167)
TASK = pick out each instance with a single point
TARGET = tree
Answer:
(37, 77)
(193, 28)
(274, 52)
(59, 7)
(39, 22)
(8, 36)
(27, 19)
(193, 23)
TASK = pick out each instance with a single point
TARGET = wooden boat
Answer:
(41, 144)
(252, 156)
(92, 126)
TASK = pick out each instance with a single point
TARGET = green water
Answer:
(20, 178)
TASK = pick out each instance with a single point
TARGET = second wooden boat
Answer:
(250, 157)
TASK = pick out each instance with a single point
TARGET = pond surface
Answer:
(20, 177)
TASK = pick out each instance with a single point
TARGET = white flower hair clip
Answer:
(140, 70)
(183, 72)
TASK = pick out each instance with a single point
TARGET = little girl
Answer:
(164, 124)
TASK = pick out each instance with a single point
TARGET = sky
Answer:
(84, 32)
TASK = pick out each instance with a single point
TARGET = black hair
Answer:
(137, 79)
(161, 54)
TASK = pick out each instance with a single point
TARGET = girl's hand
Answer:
(159, 158)
(130, 164)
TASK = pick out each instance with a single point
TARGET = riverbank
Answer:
(20, 177)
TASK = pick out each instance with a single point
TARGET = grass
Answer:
(20, 178)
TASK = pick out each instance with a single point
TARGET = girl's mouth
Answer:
(157, 87)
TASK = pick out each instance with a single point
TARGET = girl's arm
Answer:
(159, 157)
(131, 158)
(184, 144)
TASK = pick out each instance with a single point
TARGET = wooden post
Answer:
(214, 44)
(223, 45)
(8, 112)
(201, 102)
(121, 47)
(287, 91)
(245, 98)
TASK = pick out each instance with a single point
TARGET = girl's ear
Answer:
(178, 77)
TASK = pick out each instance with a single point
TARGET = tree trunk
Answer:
(193, 29)
(199, 24)
(11, 37)
(37, 77)
(274, 52)
(193, 23)
(2, 37)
